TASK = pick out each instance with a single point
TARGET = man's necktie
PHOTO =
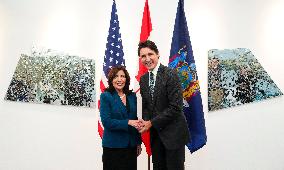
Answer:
(151, 84)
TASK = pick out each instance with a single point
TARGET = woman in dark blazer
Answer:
(118, 110)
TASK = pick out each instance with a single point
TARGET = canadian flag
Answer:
(146, 29)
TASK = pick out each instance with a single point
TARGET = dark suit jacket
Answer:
(114, 116)
(166, 109)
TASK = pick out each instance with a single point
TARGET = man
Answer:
(162, 110)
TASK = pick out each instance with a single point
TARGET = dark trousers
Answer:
(165, 159)
(120, 158)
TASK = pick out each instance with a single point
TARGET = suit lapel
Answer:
(146, 86)
(117, 99)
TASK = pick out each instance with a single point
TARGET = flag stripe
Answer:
(100, 129)
(102, 86)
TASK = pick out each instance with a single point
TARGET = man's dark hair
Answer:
(111, 75)
(147, 44)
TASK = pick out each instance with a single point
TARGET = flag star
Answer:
(122, 64)
(117, 54)
(113, 28)
(114, 21)
(111, 51)
(116, 61)
(110, 59)
(113, 36)
(112, 44)
(104, 64)
(119, 39)
(118, 46)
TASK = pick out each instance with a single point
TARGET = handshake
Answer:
(140, 124)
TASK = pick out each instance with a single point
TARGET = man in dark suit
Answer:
(162, 110)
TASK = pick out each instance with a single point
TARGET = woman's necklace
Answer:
(121, 97)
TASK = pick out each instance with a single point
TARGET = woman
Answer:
(118, 109)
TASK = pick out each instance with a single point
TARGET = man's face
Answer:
(149, 58)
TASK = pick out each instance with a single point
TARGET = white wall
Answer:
(34, 136)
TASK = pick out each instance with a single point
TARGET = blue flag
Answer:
(114, 50)
(181, 59)
(113, 54)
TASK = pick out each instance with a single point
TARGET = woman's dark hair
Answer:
(111, 75)
(147, 44)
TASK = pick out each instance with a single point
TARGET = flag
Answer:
(113, 54)
(181, 59)
(146, 29)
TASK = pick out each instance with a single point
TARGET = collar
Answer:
(155, 70)
(116, 93)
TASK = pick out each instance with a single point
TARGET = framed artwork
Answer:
(235, 77)
(50, 77)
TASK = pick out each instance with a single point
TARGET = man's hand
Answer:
(146, 125)
(134, 123)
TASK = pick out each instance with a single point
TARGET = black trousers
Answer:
(119, 158)
(165, 159)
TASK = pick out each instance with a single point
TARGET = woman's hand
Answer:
(135, 123)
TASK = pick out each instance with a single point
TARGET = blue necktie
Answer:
(151, 84)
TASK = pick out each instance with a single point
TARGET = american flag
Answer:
(113, 54)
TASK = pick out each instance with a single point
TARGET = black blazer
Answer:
(166, 109)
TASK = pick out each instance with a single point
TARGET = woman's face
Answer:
(119, 80)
